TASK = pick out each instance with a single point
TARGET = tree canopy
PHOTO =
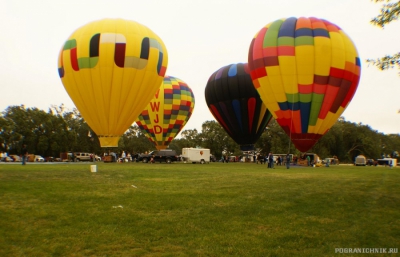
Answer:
(389, 12)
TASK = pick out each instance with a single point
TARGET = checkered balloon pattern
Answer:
(167, 113)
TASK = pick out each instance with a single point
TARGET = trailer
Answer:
(387, 162)
(360, 160)
(195, 155)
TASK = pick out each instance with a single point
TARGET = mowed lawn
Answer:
(217, 209)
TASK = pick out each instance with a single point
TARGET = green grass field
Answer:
(217, 209)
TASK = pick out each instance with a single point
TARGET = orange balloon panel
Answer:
(111, 69)
(306, 71)
(167, 113)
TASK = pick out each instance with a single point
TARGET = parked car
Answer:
(16, 158)
(212, 158)
(166, 156)
(331, 161)
(39, 158)
(83, 157)
(7, 159)
(371, 162)
(49, 159)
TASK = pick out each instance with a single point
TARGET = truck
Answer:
(196, 155)
(165, 155)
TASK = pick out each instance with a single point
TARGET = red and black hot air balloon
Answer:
(236, 105)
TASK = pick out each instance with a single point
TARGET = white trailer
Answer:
(195, 155)
(387, 162)
(360, 160)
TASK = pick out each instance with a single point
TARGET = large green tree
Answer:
(134, 141)
(214, 137)
(9, 136)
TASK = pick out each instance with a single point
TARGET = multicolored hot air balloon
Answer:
(236, 105)
(167, 113)
(306, 71)
(111, 69)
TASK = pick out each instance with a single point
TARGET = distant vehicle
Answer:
(166, 156)
(387, 162)
(39, 158)
(49, 159)
(7, 159)
(331, 161)
(83, 157)
(16, 158)
(371, 162)
(196, 155)
(212, 158)
(360, 160)
(66, 156)
(233, 158)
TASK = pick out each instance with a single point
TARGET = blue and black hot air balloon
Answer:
(236, 105)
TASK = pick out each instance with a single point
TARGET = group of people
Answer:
(287, 160)
(270, 160)
(123, 157)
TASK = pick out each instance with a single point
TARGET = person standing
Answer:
(123, 156)
(24, 154)
(308, 161)
(270, 160)
(287, 159)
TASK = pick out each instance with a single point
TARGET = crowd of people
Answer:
(122, 157)
(271, 160)
(283, 160)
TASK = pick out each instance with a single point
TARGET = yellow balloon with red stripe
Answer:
(111, 69)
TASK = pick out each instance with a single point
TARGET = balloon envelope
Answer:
(111, 69)
(236, 105)
(307, 71)
(167, 113)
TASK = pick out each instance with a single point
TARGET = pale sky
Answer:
(200, 37)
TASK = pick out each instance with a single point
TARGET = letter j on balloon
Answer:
(306, 71)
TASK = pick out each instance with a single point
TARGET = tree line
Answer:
(60, 130)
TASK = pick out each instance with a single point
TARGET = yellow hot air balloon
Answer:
(167, 113)
(111, 69)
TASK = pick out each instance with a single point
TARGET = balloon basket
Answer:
(93, 168)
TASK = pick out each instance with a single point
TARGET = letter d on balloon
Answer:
(157, 129)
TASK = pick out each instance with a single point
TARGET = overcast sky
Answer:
(200, 36)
